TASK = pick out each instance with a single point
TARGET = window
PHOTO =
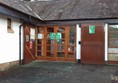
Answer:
(9, 27)
(113, 43)
(113, 35)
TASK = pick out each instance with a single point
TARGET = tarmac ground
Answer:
(61, 72)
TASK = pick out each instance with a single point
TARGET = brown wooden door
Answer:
(56, 49)
(92, 44)
(40, 43)
(52, 49)
(29, 44)
(50, 44)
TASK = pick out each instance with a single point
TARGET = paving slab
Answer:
(61, 72)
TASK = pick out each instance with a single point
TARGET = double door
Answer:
(52, 43)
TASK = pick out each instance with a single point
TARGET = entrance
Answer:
(52, 43)
(29, 43)
(92, 44)
(56, 43)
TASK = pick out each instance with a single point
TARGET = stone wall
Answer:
(8, 65)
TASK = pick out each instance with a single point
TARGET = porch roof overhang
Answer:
(11, 12)
(112, 20)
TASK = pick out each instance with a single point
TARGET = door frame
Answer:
(78, 40)
(106, 41)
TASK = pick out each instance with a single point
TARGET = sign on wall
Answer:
(40, 36)
(30, 44)
(52, 36)
(27, 38)
(92, 29)
(58, 37)
(32, 34)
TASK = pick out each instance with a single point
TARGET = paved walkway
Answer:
(61, 72)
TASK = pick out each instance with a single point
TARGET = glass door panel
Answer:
(40, 42)
(50, 48)
(71, 51)
(61, 43)
(61, 29)
(60, 49)
(50, 43)
(50, 29)
(72, 41)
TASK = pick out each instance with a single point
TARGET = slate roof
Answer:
(18, 5)
(75, 9)
(68, 9)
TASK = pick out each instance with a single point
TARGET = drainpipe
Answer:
(20, 60)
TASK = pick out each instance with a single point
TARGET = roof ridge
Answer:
(33, 11)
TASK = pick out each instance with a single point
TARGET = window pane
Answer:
(61, 29)
(72, 41)
(113, 35)
(113, 54)
(72, 35)
(113, 43)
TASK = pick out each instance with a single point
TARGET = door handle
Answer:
(79, 42)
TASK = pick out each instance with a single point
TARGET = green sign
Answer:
(52, 36)
(58, 36)
(92, 29)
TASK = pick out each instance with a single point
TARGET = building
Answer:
(62, 30)
(11, 24)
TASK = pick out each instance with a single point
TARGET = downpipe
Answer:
(20, 60)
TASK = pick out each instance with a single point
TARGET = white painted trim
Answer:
(78, 38)
(22, 43)
(106, 41)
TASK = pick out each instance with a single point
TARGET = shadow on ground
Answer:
(61, 72)
(61, 66)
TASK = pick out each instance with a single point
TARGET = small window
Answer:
(9, 27)
(113, 42)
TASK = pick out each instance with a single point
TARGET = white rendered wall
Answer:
(78, 38)
(9, 42)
